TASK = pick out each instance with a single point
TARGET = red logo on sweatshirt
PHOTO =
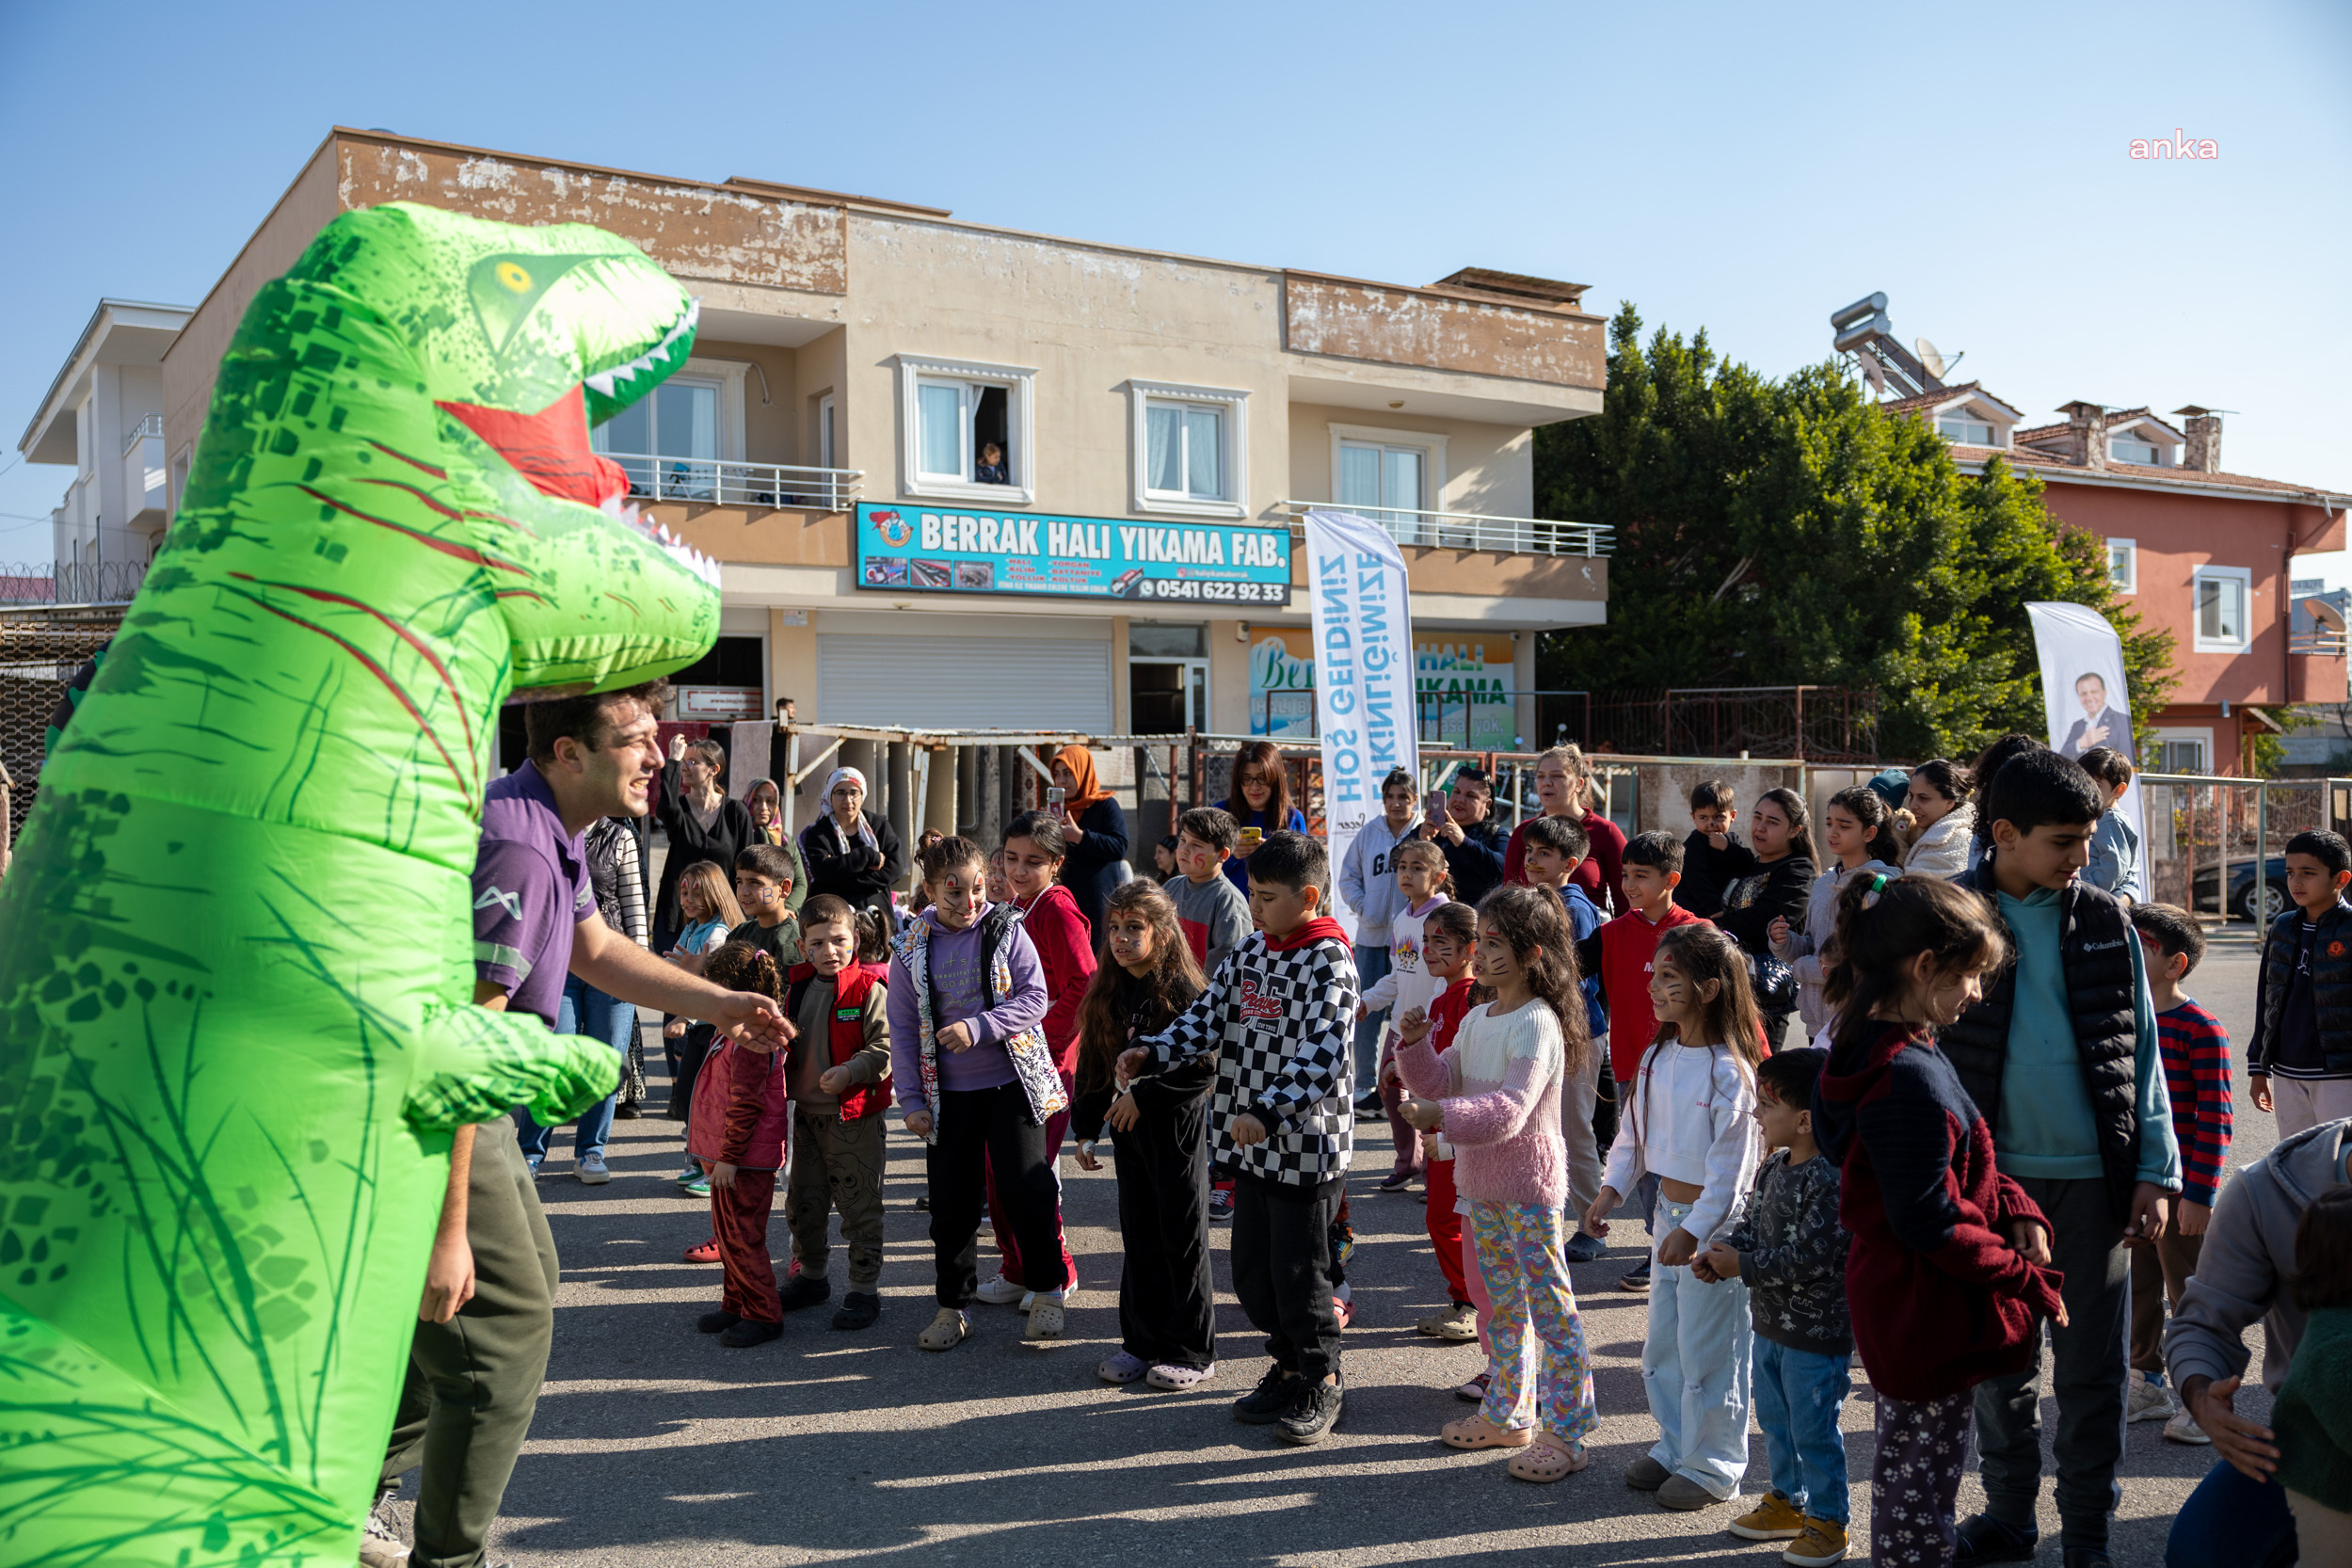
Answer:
(2335, 949)
(1256, 1003)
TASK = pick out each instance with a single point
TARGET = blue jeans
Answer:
(584, 1010)
(1799, 1394)
(2229, 1521)
(1372, 966)
(1694, 1368)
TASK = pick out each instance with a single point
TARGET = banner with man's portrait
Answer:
(2083, 691)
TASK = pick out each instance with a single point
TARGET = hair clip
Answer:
(1877, 886)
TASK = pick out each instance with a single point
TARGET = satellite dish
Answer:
(1930, 357)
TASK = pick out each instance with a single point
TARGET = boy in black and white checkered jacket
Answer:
(1280, 1016)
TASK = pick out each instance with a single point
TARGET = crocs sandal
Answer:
(1550, 1458)
(1476, 1432)
(1168, 1375)
(707, 1253)
(1122, 1368)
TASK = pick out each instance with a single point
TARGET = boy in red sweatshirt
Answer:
(1620, 953)
(1034, 846)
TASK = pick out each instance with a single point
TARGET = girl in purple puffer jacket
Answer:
(1497, 1100)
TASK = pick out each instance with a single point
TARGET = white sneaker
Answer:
(593, 1170)
(2145, 1400)
(2183, 1429)
(999, 1291)
(378, 1546)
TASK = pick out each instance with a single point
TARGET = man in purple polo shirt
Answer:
(488, 1313)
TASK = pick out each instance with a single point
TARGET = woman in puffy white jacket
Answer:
(1944, 817)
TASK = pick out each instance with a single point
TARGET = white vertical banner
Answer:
(1364, 712)
(2084, 696)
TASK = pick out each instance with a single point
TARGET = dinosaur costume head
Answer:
(235, 950)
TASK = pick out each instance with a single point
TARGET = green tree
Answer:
(1777, 532)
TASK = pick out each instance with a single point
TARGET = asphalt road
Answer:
(655, 1445)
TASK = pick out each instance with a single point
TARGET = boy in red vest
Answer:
(841, 1079)
(1620, 953)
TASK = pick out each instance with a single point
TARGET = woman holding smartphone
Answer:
(1261, 802)
(1094, 833)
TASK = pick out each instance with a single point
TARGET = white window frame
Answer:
(2129, 583)
(728, 376)
(1433, 467)
(1233, 408)
(1991, 430)
(828, 439)
(2157, 451)
(2244, 577)
(2203, 739)
(1020, 430)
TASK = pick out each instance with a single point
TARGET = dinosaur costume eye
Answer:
(514, 277)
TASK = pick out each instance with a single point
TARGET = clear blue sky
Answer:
(1746, 168)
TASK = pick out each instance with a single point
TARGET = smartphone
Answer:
(1437, 803)
(1053, 799)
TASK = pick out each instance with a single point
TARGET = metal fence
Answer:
(727, 483)
(1476, 530)
(37, 660)
(2217, 846)
(68, 582)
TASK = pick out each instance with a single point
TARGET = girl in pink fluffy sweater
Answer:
(1495, 1093)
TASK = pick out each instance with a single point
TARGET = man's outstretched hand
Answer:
(754, 1021)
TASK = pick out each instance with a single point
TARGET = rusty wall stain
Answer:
(693, 231)
(1406, 327)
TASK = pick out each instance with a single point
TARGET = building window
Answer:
(1167, 677)
(1395, 477)
(1190, 449)
(967, 431)
(672, 440)
(2188, 751)
(2123, 566)
(828, 445)
(2122, 449)
(2220, 596)
(1966, 432)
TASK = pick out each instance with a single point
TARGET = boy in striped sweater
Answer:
(2196, 1051)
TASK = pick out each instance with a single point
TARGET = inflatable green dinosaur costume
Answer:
(235, 949)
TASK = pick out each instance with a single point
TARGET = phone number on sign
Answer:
(1231, 593)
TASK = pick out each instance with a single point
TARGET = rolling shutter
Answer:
(964, 683)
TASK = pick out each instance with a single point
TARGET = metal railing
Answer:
(1472, 530)
(150, 425)
(65, 583)
(730, 483)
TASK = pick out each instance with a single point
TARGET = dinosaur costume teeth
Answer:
(236, 956)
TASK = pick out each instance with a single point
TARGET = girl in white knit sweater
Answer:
(1689, 1117)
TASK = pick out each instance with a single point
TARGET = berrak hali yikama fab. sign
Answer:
(908, 549)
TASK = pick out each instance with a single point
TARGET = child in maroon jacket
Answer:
(1949, 1261)
(742, 1107)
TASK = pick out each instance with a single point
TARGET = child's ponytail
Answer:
(741, 966)
(1883, 923)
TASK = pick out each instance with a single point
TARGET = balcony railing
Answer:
(1473, 530)
(65, 583)
(150, 425)
(725, 483)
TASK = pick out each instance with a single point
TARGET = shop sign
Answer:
(1462, 684)
(904, 548)
(718, 702)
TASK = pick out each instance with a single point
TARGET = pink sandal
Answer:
(1476, 1432)
(1550, 1458)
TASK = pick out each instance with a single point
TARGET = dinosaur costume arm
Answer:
(474, 1066)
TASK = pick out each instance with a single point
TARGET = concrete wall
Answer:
(1355, 320)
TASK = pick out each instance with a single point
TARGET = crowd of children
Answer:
(2014, 1125)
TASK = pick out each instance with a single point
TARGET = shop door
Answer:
(1037, 684)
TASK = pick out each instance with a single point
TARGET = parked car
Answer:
(2250, 900)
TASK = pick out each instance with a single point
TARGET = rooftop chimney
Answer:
(2086, 434)
(2204, 438)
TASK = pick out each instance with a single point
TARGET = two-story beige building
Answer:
(1156, 422)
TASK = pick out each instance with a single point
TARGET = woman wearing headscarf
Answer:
(703, 823)
(850, 851)
(1094, 834)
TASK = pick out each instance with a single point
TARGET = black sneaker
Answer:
(717, 1322)
(1220, 1203)
(1368, 1107)
(751, 1331)
(1312, 1414)
(1636, 1278)
(858, 1309)
(1265, 1404)
(627, 1112)
(803, 1292)
(1981, 1538)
